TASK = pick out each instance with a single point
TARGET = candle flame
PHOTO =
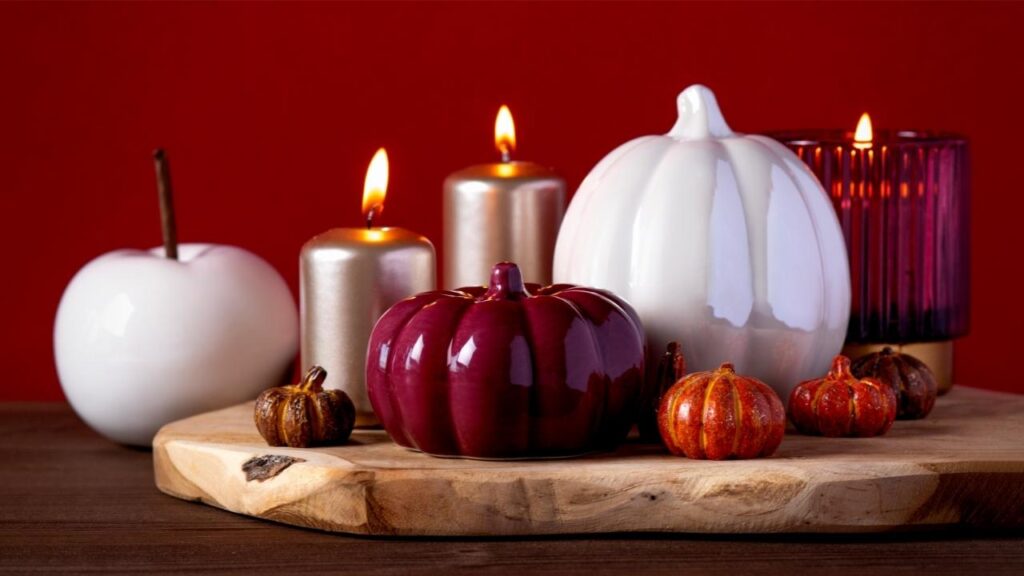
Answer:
(504, 133)
(376, 186)
(864, 134)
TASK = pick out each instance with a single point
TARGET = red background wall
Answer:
(270, 113)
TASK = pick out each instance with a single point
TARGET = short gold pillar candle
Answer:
(505, 211)
(349, 278)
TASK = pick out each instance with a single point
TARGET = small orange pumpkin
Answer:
(304, 414)
(719, 414)
(840, 404)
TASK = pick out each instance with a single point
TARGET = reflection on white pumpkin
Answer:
(724, 242)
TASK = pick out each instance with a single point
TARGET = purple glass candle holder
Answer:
(903, 201)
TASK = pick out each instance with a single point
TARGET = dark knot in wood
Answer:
(267, 466)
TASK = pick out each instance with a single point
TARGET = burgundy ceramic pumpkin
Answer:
(513, 370)
(719, 414)
(840, 404)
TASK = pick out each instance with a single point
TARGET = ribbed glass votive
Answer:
(903, 203)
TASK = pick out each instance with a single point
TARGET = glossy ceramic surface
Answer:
(141, 340)
(511, 371)
(722, 242)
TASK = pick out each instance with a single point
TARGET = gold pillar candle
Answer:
(349, 278)
(506, 211)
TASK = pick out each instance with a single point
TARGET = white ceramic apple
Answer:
(141, 340)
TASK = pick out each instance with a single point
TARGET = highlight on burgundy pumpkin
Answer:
(720, 414)
(911, 380)
(840, 404)
(512, 370)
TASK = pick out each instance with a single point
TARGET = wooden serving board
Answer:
(964, 464)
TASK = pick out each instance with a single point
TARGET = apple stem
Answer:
(166, 192)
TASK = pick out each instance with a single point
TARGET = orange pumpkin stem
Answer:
(840, 367)
(313, 381)
(727, 367)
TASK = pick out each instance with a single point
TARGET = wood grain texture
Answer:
(71, 502)
(964, 465)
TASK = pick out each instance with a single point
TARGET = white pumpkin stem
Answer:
(699, 116)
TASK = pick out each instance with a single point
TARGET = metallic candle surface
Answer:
(507, 211)
(348, 278)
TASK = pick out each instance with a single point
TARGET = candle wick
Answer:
(369, 217)
(506, 156)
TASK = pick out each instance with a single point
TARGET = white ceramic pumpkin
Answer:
(723, 242)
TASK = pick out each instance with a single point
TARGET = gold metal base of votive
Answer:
(366, 420)
(937, 355)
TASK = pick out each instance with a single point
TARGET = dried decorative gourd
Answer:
(305, 414)
(720, 414)
(841, 404)
(911, 380)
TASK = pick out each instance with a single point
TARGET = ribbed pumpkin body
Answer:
(723, 242)
(912, 381)
(719, 414)
(840, 404)
(511, 371)
(304, 414)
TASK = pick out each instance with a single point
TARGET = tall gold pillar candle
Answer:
(349, 278)
(505, 211)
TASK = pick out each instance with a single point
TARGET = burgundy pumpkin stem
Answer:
(670, 369)
(313, 381)
(506, 283)
(676, 361)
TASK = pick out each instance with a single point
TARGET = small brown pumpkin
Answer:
(912, 381)
(304, 414)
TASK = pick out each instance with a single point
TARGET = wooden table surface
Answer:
(71, 501)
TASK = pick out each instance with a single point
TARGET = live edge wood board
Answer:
(964, 464)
